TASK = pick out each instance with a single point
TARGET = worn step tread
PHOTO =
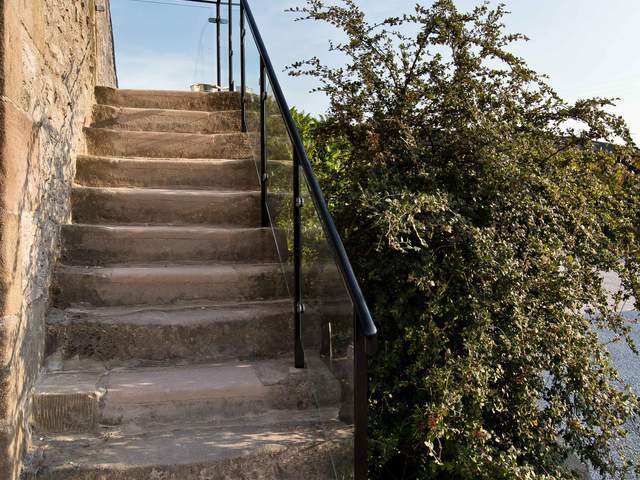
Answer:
(173, 100)
(152, 161)
(157, 160)
(222, 392)
(302, 446)
(178, 271)
(136, 205)
(167, 191)
(194, 332)
(167, 284)
(166, 120)
(165, 384)
(127, 143)
(107, 171)
(168, 134)
(104, 245)
(180, 231)
(193, 313)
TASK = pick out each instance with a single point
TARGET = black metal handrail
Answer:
(367, 325)
(364, 328)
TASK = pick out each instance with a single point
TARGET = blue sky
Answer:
(587, 47)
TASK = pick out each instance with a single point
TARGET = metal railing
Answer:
(363, 341)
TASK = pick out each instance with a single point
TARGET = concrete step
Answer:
(195, 332)
(171, 100)
(103, 245)
(165, 206)
(313, 447)
(103, 171)
(219, 393)
(161, 285)
(162, 120)
(123, 143)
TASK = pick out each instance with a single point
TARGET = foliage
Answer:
(479, 219)
(330, 150)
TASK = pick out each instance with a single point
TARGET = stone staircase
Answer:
(170, 337)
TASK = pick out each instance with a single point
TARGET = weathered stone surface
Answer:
(50, 56)
(70, 406)
(105, 72)
(195, 332)
(99, 171)
(103, 245)
(22, 173)
(306, 446)
(125, 143)
(159, 120)
(214, 394)
(11, 286)
(11, 444)
(165, 207)
(208, 102)
(162, 285)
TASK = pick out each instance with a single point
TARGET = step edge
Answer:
(177, 160)
(160, 92)
(243, 312)
(196, 112)
(155, 190)
(102, 376)
(166, 228)
(99, 311)
(172, 267)
(154, 132)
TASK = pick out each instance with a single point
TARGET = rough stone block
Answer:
(10, 265)
(8, 329)
(47, 75)
(19, 176)
(30, 13)
(8, 463)
(70, 409)
(5, 395)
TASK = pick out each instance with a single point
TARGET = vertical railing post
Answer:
(297, 263)
(264, 177)
(243, 70)
(361, 402)
(218, 43)
(232, 87)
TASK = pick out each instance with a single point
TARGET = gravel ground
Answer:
(628, 364)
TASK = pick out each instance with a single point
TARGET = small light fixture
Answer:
(221, 21)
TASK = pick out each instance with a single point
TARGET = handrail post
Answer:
(231, 84)
(243, 70)
(297, 263)
(218, 43)
(263, 146)
(361, 402)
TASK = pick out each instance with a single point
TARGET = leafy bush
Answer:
(479, 218)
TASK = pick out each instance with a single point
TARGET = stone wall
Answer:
(52, 55)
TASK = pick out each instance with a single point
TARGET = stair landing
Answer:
(302, 447)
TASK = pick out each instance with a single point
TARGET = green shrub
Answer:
(479, 219)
